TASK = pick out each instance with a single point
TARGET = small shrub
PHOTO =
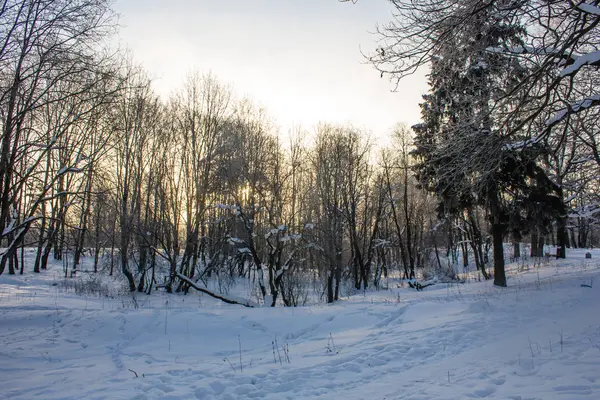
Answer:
(90, 284)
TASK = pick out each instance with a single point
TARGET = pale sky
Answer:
(300, 59)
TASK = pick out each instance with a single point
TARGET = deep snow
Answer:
(537, 339)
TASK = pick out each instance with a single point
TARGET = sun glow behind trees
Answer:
(301, 60)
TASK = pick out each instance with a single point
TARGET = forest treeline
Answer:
(169, 192)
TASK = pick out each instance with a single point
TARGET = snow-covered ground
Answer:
(537, 339)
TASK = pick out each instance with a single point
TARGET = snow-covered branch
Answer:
(589, 8)
(227, 299)
(592, 58)
(573, 108)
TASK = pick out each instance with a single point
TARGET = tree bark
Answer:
(498, 228)
(516, 250)
(561, 238)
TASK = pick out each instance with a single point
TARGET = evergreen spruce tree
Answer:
(462, 150)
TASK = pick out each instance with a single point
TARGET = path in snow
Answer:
(537, 339)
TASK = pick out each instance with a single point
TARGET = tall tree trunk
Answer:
(409, 238)
(40, 247)
(11, 265)
(153, 268)
(498, 228)
(465, 250)
(403, 254)
(572, 240)
(582, 233)
(540, 245)
(47, 251)
(124, 246)
(22, 258)
(355, 269)
(534, 244)
(336, 290)
(112, 251)
(330, 273)
(476, 240)
(97, 222)
(562, 237)
(83, 221)
(125, 268)
(499, 272)
(41, 240)
(59, 230)
(142, 281)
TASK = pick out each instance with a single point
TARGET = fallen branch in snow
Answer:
(418, 286)
(226, 299)
(136, 374)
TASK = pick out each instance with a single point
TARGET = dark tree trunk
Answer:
(124, 254)
(465, 252)
(562, 238)
(22, 258)
(516, 250)
(153, 267)
(498, 229)
(46, 254)
(330, 285)
(534, 244)
(355, 269)
(127, 273)
(11, 265)
(476, 240)
(141, 284)
(338, 278)
(540, 245)
(580, 228)
(113, 242)
(97, 236)
(40, 249)
(499, 273)
(83, 221)
(573, 240)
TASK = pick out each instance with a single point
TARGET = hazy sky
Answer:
(300, 59)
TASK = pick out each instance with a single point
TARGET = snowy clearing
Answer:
(537, 339)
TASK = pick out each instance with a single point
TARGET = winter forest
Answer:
(200, 193)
